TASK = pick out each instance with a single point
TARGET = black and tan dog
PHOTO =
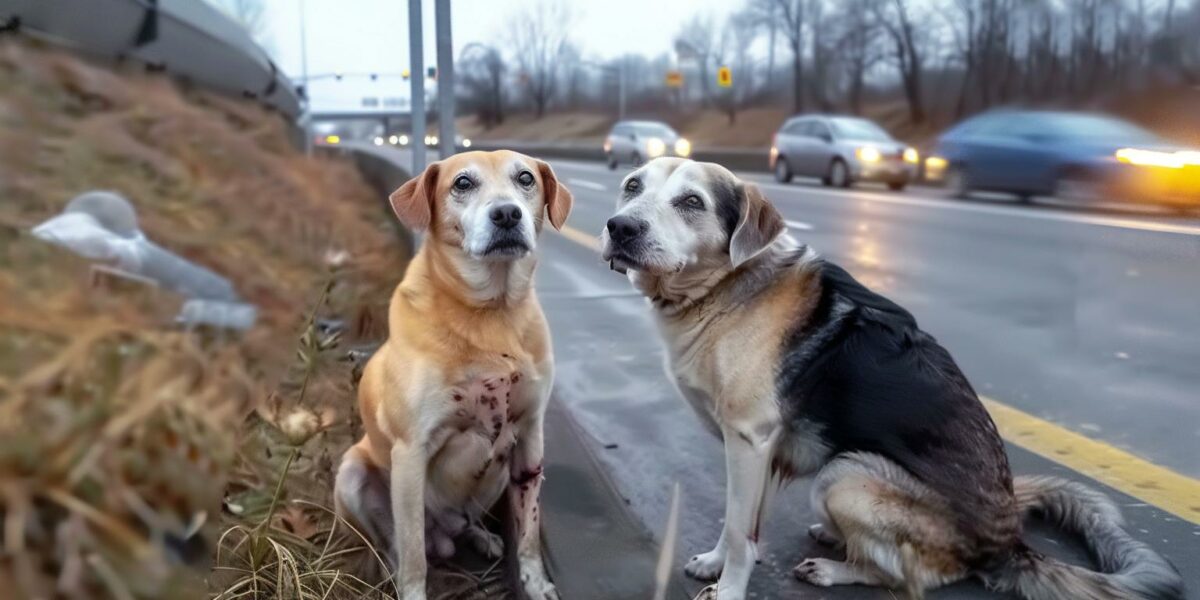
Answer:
(801, 370)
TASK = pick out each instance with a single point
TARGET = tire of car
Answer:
(897, 186)
(612, 162)
(783, 171)
(956, 183)
(838, 175)
(1076, 185)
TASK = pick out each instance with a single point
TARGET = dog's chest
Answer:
(477, 437)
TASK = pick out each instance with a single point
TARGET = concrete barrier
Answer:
(737, 159)
(187, 38)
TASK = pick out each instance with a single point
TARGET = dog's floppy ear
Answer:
(413, 202)
(558, 197)
(758, 225)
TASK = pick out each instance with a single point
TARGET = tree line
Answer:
(944, 58)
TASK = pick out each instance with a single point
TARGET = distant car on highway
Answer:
(841, 150)
(1079, 156)
(400, 139)
(635, 142)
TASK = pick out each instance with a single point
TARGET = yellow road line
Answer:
(1175, 493)
(1156, 485)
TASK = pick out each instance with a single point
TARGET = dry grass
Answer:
(138, 460)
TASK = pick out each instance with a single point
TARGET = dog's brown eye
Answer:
(693, 202)
(525, 178)
(463, 183)
(632, 185)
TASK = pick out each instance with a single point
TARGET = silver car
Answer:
(635, 142)
(841, 150)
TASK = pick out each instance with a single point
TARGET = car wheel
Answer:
(1077, 186)
(783, 171)
(897, 186)
(956, 182)
(612, 162)
(839, 175)
(636, 159)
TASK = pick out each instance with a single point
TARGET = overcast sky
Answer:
(362, 36)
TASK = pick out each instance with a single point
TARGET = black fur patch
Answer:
(862, 370)
(728, 197)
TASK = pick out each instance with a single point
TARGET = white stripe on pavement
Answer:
(1029, 213)
(801, 225)
(583, 183)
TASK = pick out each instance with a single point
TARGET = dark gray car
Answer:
(841, 150)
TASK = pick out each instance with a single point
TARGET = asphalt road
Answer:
(1085, 321)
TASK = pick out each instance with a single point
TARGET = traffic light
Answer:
(431, 72)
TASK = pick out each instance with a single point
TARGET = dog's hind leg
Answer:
(896, 532)
(361, 497)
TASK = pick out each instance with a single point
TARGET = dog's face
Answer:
(675, 215)
(488, 204)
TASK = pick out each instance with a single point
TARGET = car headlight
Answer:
(404, 140)
(868, 154)
(655, 147)
(433, 140)
(392, 140)
(683, 147)
(378, 141)
(608, 145)
(1154, 158)
(911, 156)
(466, 143)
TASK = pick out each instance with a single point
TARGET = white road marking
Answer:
(583, 183)
(801, 225)
(1028, 213)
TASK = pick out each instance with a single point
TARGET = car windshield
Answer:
(860, 129)
(1098, 127)
(654, 129)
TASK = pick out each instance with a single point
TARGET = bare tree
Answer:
(481, 71)
(697, 42)
(857, 44)
(733, 51)
(896, 19)
(539, 38)
(791, 15)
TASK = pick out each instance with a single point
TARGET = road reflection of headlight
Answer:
(868, 154)
(655, 147)
(1152, 158)
(911, 156)
(683, 147)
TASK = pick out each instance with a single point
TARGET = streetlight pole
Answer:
(306, 116)
(416, 49)
(445, 72)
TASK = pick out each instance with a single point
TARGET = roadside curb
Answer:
(596, 549)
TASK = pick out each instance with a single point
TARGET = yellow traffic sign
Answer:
(724, 77)
(674, 78)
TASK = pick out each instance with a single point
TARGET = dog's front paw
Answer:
(815, 571)
(537, 587)
(705, 567)
(708, 593)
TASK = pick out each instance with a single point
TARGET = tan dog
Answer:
(453, 403)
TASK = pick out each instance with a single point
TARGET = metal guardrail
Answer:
(187, 38)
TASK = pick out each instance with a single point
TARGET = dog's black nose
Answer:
(623, 228)
(506, 216)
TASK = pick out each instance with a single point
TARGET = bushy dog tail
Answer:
(1128, 568)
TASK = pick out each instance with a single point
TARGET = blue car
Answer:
(1082, 156)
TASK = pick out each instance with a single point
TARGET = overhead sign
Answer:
(724, 77)
(674, 78)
